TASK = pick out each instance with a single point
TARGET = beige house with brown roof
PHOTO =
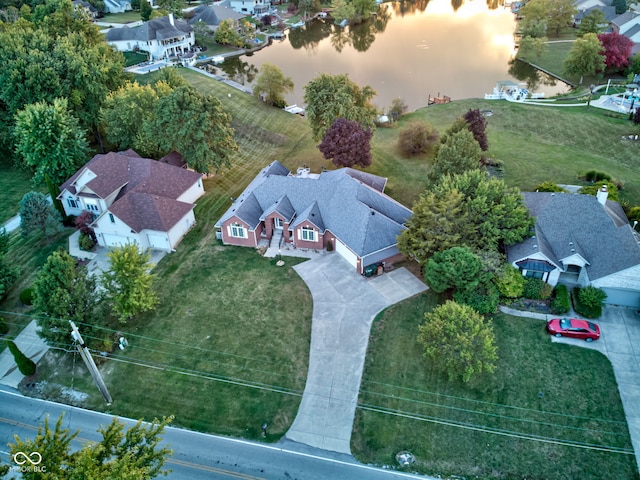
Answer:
(134, 199)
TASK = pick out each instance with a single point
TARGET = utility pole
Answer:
(88, 361)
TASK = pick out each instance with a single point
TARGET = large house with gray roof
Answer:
(345, 208)
(134, 200)
(581, 240)
(162, 38)
(212, 15)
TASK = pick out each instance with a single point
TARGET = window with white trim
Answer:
(308, 234)
(72, 203)
(93, 207)
(238, 231)
(112, 218)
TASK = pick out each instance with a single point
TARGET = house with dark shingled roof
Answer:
(134, 199)
(581, 240)
(346, 208)
(162, 38)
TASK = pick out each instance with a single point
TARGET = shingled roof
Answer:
(214, 14)
(157, 29)
(572, 223)
(347, 202)
(147, 190)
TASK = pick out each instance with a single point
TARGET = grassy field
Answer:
(14, 184)
(540, 389)
(124, 17)
(537, 144)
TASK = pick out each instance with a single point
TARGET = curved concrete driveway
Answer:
(344, 306)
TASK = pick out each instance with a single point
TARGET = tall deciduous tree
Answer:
(195, 125)
(438, 222)
(145, 10)
(557, 14)
(586, 57)
(132, 453)
(49, 141)
(329, 97)
(128, 282)
(63, 291)
(37, 213)
(459, 340)
(456, 267)
(347, 144)
(458, 154)
(272, 85)
(592, 22)
(617, 50)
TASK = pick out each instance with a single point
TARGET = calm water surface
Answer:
(409, 50)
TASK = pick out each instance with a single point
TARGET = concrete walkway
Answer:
(620, 342)
(31, 345)
(344, 306)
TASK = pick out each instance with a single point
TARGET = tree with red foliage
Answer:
(82, 223)
(347, 143)
(478, 126)
(617, 50)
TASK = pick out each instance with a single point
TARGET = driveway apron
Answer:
(344, 306)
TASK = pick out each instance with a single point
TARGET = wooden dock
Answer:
(438, 100)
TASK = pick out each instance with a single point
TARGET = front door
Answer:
(277, 223)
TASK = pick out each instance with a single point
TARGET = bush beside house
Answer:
(588, 301)
(561, 303)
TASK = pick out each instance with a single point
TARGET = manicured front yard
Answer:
(560, 395)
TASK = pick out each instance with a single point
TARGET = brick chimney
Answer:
(602, 194)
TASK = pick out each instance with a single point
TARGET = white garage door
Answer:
(620, 296)
(111, 240)
(351, 257)
(158, 241)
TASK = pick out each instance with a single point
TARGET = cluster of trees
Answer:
(235, 33)
(191, 123)
(594, 53)
(121, 453)
(457, 232)
(64, 291)
(354, 11)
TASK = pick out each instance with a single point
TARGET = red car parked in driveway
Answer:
(574, 328)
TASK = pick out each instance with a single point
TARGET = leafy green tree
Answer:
(363, 10)
(459, 340)
(271, 85)
(557, 14)
(201, 30)
(63, 291)
(438, 223)
(195, 125)
(25, 364)
(532, 27)
(343, 10)
(530, 47)
(329, 97)
(37, 213)
(171, 6)
(128, 282)
(621, 6)
(145, 10)
(8, 274)
(496, 213)
(510, 283)
(458, 154)
(586, 57)
(417, 138)
(49, 141)
(134, 453)
(592, 22)
(548, 187)
(612, 188)
(398, 108)
(458, 125)
(127, 110)
(227, 34)
(483, 297)
(456, 267)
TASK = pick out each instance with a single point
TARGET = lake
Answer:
(408, 50)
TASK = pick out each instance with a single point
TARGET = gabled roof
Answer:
(214, 14)
(349, 203)
(282, 206)
(632, 31)
(146, 190)
(568, 224)
(609, 12)
(626, 17)
(157, 29)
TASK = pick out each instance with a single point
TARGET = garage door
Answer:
(111, 240)
(351, 257)
(620, 296)
(158, 241)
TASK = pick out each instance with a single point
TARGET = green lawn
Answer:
(560, 393)
(134, 58)
(537, 144)
(124, 17)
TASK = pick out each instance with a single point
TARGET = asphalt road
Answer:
(196, 456)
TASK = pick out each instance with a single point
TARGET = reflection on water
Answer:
(412, 50)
